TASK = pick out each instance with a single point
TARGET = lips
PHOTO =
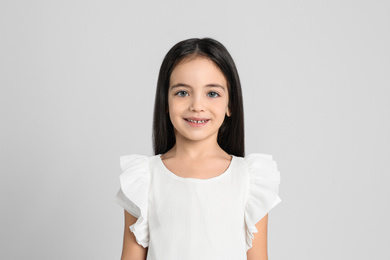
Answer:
(196, 120)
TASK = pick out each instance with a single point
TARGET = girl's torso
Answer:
(186, 214)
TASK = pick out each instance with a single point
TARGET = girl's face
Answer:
(198, 99)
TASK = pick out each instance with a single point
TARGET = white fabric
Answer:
(187, 218)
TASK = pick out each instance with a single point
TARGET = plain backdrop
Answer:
(78, 82)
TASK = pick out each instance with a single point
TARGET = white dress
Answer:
(188, 218)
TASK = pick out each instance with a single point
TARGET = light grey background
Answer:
(77, 90)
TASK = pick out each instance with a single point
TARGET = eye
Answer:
(213, 94)
(181, 93)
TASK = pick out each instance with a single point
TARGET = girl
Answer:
(198, 197)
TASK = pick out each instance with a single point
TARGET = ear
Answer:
(228, 112)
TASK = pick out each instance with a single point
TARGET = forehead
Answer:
(198, 70)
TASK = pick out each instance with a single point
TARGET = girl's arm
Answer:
(258, 251)
(131, 249)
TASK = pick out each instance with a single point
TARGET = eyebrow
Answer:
(214, 85)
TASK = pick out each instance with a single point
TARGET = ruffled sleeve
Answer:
(133, 193)
(264, 180)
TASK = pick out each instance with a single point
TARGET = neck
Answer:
(189, 149)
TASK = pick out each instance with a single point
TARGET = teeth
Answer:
(196, 122)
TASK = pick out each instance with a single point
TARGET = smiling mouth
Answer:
(196, 122)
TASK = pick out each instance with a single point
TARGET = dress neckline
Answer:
(189, 179)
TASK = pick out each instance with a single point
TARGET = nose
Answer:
(197, 104)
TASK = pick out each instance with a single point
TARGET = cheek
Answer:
(170, 104)
(175, 111)
(171, 107)
(222, 107)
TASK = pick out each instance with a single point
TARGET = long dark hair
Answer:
(231, 133)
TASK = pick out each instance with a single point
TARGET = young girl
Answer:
(198, 197)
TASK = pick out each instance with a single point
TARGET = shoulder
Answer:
(134, 191)
(263, 190)
(259, 158)
(135, 162)
(255, 162)
(262, 162)
(135, 171)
